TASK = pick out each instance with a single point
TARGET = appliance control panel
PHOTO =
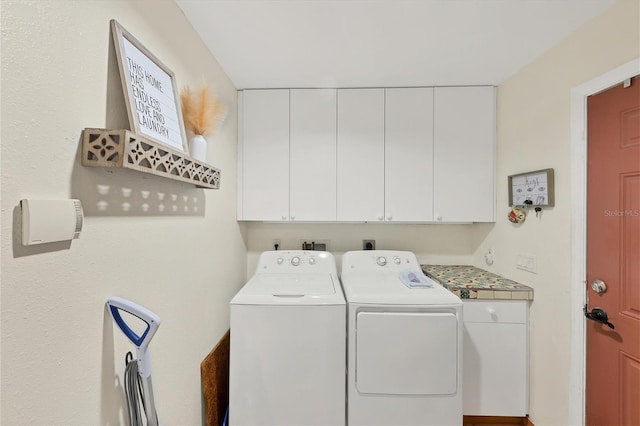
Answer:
(379, 260)
(296, 261)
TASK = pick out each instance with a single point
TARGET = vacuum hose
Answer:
(137, 374)
(133, 391)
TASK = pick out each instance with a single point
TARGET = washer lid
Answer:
(388, 289)
(279, 289)
(290, 285)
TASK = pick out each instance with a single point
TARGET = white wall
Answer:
(432, 244)
(534, 133)
(60, 351)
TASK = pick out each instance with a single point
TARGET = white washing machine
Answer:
(404, 343)
(288, 343)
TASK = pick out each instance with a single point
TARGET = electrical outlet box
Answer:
(312, 244)
(527, 262)
(368, 244)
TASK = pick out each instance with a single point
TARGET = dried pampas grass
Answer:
(201, 110)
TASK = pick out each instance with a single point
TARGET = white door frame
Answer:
(579, 95)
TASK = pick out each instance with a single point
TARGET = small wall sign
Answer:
(532, 189)
(150, 92)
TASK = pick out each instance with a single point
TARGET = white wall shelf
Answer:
(121, 148)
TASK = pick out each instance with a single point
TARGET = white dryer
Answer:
(288, 343)
(404, 343)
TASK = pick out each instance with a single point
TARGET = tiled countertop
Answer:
(469, 282)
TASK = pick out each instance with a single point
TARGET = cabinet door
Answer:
(313, 155)
(408, 155)
(495, 369)
(263, 155)
(495, 358)
(464, 154)
(360, 155)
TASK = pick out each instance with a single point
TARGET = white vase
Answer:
(198, 148)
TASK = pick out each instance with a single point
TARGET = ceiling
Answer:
(381, 43)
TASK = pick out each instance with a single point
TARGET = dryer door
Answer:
(406, 353)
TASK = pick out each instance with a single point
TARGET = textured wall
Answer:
(61, 355)
(534, 133)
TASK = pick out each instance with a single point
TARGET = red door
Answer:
(613, 256)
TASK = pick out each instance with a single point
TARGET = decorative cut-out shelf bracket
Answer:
(122, 148)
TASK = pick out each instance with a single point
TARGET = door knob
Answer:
(598, 315)
(598, 286)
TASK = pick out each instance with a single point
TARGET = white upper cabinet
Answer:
(367, 155)
(263, 155)
(464, 154)
(360, 162)
(408, 144)
(312, 153)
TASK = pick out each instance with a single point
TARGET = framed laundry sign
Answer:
(150, 92)
(532, 188)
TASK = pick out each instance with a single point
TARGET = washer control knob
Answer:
(280, 260)
(312, 261)
(381, 260)
(396, 260)
(295, 261)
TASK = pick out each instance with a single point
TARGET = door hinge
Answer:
(626, 83)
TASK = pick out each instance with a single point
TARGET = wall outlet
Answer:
(368, 244)
(527, 262)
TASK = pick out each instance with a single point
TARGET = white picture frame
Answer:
(150, 91)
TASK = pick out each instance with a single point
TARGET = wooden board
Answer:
(214, 375)
(496, 421)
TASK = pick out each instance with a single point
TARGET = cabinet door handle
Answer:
(284, 218)
(380, 217)
(389, 217)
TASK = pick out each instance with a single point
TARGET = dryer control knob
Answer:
(396, 260)
(312, 261)
(280, 260)
(381, 260)
(295, 261)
